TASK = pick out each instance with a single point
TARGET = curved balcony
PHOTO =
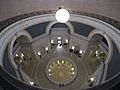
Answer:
(11, 82)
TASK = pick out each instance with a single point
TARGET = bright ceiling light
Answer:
(52, 41)
(92, 78)
(73, 47)
(31, 83)
(62, 61)
(59, 38)
(72, 69)
(80, 51)
(62, 15)
(16, 55)
(66, 40)
(39, 53)
(49, 70)
(73, 73)
(46, 48)
(58, 62)
(22, 55)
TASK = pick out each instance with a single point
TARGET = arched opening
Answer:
(55, 24)
(60, 26)
(24, 56)
(18, 44)
(59, 35)
(97, 52)
(20, 41)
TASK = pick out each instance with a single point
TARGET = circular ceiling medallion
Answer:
(61, 71)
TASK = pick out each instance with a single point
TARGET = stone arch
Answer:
(54, 22)
(96, 35)
(22, 36)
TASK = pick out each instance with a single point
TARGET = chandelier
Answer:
(62, 15)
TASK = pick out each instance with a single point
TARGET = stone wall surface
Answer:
(11, 8)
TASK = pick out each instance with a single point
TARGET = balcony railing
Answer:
(11, 82)
(8, 22)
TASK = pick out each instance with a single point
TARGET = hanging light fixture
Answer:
(62, 15)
